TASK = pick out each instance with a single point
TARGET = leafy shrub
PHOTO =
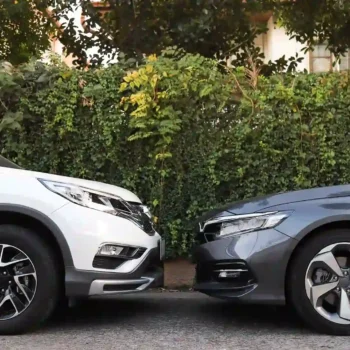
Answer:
(185, 134)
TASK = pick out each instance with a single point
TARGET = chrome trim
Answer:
(236, 263)
(231, 270)
(97, 286)
(120, 245)
(146, 210)
(222, 219)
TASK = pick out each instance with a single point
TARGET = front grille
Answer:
(147, 226)
(210, 234)
(142, 218)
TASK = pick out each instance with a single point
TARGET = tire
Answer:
(297, 296)
(47, 283)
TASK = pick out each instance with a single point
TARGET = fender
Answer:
(316, 225)
(48, 223)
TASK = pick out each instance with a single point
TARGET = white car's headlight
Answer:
(237, 224)
(82, 196)
(104, 202)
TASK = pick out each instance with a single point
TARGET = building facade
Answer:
(275, 43)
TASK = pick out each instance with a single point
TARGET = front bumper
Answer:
(138, 267)
(257, 262)
(85, 230)
(149, 274)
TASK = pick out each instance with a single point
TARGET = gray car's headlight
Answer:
(237, 224)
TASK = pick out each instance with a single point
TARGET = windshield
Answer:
(5, 163)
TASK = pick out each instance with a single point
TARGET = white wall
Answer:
(278, 43)
(57, 46)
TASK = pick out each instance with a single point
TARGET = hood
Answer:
(264, 202)
(93, 185)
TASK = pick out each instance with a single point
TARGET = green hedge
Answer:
(186, 135)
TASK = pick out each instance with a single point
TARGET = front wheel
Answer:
(319, 283)
(29, 281)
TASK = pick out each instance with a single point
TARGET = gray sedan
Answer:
(289, 247)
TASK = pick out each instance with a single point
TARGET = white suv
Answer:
(66, 237)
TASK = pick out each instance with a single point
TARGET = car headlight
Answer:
(238, 224)
(88, 198)
(104, 202)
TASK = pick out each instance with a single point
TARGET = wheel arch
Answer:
(31, 218)
(336, 224)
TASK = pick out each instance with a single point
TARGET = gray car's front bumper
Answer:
(262, 257)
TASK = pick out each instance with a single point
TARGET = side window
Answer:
(321, 59)
(344, 63)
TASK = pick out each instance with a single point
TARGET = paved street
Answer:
(173, 321)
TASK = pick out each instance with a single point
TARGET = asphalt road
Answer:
(173, 321)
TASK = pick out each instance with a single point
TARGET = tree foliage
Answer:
(24, 30)
(208, 27)
(313, 21)
(141, 27)
(184, 134)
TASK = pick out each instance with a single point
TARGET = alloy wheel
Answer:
(18, 281)
(327, 283)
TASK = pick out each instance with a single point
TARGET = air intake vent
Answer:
(107, 263)
(139, 253)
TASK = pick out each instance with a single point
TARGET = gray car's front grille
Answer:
(210, 233)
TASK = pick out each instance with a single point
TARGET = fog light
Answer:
(110, 250)
(230, 273)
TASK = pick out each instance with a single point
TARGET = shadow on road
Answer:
(176, 310)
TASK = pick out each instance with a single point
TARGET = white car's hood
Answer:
(97, 186)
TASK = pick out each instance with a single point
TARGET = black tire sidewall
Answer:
(47, 290)
(296, 293)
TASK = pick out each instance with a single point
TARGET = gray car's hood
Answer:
(264, 202)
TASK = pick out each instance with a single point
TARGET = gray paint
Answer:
(269, 201)
(268, 252)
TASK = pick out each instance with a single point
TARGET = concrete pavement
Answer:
(173, 321)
